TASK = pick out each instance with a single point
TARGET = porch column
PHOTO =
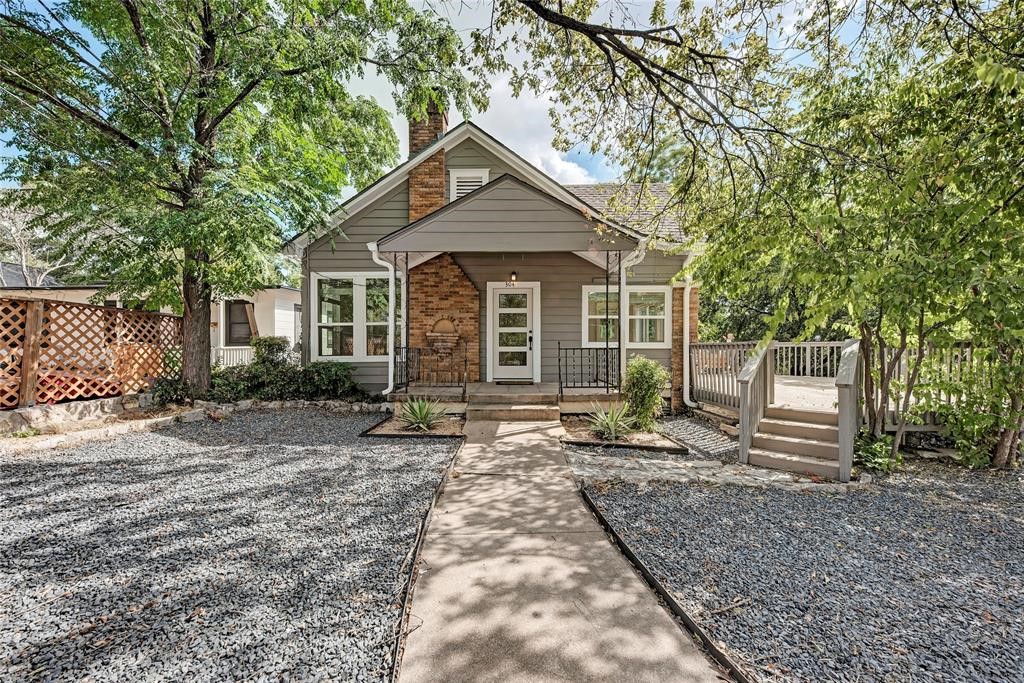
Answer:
(623, 320)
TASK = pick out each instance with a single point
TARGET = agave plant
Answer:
(612, 423)
(421, 414)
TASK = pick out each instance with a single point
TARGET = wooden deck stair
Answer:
(798, 440)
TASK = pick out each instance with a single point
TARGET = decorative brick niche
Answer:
(444, 301)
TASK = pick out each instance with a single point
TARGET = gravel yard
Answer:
(917, 578)
(270, 544)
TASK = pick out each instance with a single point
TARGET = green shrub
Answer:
(270, 350)
(170, 390)
(645, 380)
(612, 423)
(876, 454)
(328, 380)
(973, 424)
(26, 432)
(421, 414)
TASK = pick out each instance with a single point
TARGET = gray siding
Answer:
(349, 252)
(657, 268)
(561, 277)
(469, 154)
(505, 216)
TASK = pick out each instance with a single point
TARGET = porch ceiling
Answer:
(507, 215)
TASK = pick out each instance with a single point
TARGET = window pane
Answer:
(511, 300)
(647, 331)
(512, 358)
(239, 332)
(335, 301)
(596, 330)
(511, 320)
(376, 300)
(511, 339)
(377, 340)
(595, 303)
(646, 303)
(336, 341)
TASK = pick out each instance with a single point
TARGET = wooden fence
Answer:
(54, 351)
(714, 368)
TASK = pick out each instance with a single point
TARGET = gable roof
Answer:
(478, 222)
(649, 212)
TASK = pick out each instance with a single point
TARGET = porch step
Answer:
(510, 399)
(801, 430)
(522, 412)
(821, 417)
(798, 464)
(796, 446)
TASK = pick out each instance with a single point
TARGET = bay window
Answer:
(351, 319)
(648, 316)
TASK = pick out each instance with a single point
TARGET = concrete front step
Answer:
(510, 399)
(821, 417)
(796, 445)
(798, 464)
(524, 412)
(801, 430)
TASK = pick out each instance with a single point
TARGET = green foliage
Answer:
(642, 387)
(613, 423)
(27, 432)
(270, 350)
(326, 380)
(877, 453)
(170, 147)
(421, 414)
(170, 390)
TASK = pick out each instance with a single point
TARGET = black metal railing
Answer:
(593, 368)
(431, 367)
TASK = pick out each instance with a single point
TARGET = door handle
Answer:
(530, 339)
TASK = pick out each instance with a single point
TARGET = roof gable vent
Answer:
(462, 181)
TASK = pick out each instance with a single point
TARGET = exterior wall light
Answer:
(513, 277)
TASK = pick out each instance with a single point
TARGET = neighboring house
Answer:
(468, 244)
(233, 323)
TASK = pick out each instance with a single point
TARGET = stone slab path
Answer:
(519, 582)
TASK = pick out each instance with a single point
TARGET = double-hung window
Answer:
(351, 316)
(648, 311)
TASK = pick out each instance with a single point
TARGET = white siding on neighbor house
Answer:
(272, 309)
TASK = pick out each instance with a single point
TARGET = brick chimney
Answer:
(426, 181)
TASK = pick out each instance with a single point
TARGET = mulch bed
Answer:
(578, 430)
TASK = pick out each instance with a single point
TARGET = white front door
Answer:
(512, 322)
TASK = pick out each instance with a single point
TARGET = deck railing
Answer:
(714, 368)
(592, 368)
(848, 382)
(430, 367)
(753, 381)
(807, 359)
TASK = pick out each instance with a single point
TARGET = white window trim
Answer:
(455, 173)
(666, 290)
(492, 325)
(223, 322)
(358, 314)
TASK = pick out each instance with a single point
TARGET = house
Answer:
(468, 264)
(234, 322)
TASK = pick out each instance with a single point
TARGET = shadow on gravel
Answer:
(270, 543)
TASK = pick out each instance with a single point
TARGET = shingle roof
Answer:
(14, 277)
(647, 213)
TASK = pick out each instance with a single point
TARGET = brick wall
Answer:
(426, 181)
(426, 186)
(439, 289)
(677, 339)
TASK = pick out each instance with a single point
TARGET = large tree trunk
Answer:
(195, 362)
(1009, 439)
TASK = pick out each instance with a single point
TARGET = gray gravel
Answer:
(268, 545)
(704, 441)
(918, 578)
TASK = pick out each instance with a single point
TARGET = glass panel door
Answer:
(513, 334)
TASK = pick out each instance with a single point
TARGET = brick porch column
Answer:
(439, 289)
(677, 339)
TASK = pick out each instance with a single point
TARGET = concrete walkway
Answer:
(519, 582)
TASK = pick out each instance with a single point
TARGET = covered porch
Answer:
(486, 297)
